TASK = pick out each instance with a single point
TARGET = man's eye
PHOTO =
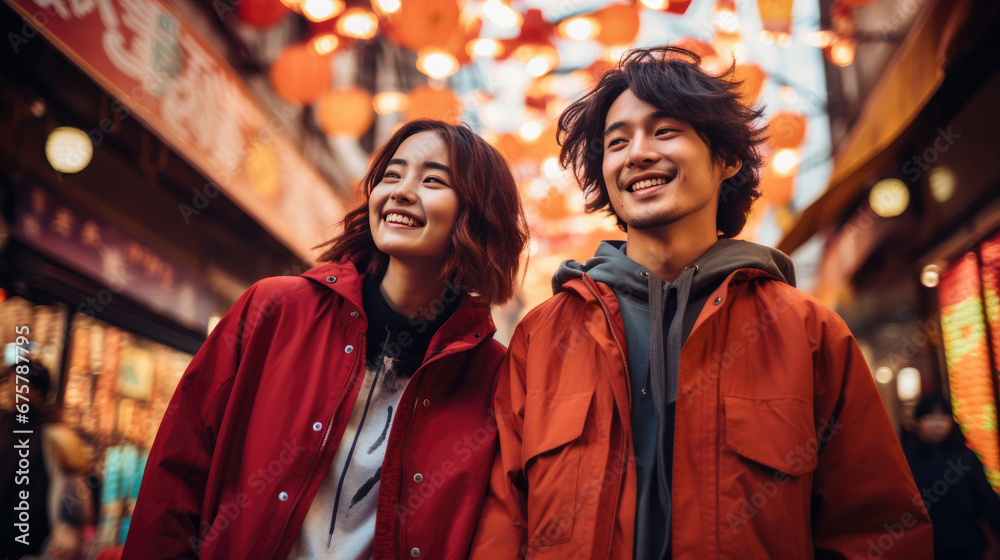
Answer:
(615, 142)
(665, 131)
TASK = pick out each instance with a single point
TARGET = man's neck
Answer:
(666, 251)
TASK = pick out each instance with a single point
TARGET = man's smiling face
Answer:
(657, 169)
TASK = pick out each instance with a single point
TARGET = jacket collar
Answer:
(472, 317)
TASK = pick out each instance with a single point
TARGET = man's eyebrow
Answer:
(613, 127)
(655, 115)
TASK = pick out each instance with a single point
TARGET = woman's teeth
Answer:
(401, 219)
(648, 183)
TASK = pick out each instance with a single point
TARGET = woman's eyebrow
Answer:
(438, 166)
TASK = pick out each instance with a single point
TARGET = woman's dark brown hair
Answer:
(670, 79)
(490, 233)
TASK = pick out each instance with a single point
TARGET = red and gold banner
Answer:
(989, 253)
(159, 68)
(967, 355)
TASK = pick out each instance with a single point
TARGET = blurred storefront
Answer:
(143, 188)
(905, 234)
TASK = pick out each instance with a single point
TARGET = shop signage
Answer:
(160, 69)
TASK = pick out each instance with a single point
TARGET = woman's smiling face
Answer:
(413, 208)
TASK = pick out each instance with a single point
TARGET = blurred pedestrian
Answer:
(952, 482)
(345, 414)
(677, 397)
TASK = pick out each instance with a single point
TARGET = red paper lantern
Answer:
(433, 103)
(261, 13)
(345, 112)
(300, 76)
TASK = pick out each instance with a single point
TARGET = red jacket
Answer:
(256, 419)
(782, 450)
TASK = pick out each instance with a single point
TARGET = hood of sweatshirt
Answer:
(610, 266)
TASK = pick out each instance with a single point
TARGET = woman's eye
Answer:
(435, 180)
(390, 175)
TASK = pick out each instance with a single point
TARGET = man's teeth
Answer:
(401, 219)
(648, 183)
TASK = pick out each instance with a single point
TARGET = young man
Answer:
(677, 397)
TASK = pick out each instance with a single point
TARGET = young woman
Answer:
(345, 414)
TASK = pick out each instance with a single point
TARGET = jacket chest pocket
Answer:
(552, 451)
(768, 453)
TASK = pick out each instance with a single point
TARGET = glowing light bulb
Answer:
(842, 53)
(578, 28)
(908, 383)
(69, 149)
(785, 162)
(324, 44)
(386, 6)
(501, 14)
(437, 64)
(484, 47)
(357, 23)
(321, 10)
(655, 4)
(530, 131)
(389, 102)
(727, 21)
(889, 198)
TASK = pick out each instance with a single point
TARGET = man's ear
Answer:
(730, 170)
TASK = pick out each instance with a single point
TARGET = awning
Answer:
(913, 76)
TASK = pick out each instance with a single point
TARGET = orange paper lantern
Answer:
(751, 79)
(345, 112)
(786, 130)
(300, 76)
(434, 103)
(777, 190)
(619, 25)
(776, 15)
(424, 24)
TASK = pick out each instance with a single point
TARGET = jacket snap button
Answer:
(477, 335)
(331, 279)
(355, 314)
(418, 478)
(317, 426)
(283, 496)
(414, 552)
(348, 349)
(717, 301)
(427, 403)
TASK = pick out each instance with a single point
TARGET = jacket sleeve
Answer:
(502, 529)
(865, 502)
(167, 519)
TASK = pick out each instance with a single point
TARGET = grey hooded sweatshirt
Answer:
(658, 317)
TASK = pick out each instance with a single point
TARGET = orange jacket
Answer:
(782, 447)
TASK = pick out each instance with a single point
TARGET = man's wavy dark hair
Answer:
(670, 79)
